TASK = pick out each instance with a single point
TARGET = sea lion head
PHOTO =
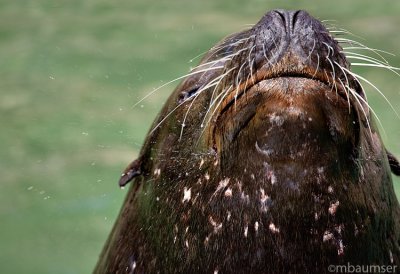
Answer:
(266, 152)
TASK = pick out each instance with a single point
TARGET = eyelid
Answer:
(187, 94)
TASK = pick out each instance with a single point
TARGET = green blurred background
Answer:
(70, 72)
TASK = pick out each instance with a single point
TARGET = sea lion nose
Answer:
(289, 18)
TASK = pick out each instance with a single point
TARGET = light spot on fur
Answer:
(333, 207)
(391, 256)
(273, 228)
(228, 192)
(340, 248)
(187, 194)
(276, 119)
(222, 184)
(201, 163)
(270, 174)
(228, 217)
(264, 200)
(295, 111)
(256, 225)
(207, 176)
(266, 152)
(273, 179)
(217, 226)
(246, 230)
(330, 189)
(327, 236)
(157, 172)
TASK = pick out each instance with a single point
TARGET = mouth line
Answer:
(322, 77)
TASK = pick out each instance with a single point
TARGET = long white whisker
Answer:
(347, 94)
(377, 66)
(222, 95)
(353, 92)
(358, 97)
(212, 102)
(352, 42)
(372, 85)
(174, 80)
(347, 81)
(350, 53)
(376, 51)
(316, 70)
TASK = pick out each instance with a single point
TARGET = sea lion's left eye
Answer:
(187, 94)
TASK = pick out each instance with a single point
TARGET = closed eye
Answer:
(187, 95)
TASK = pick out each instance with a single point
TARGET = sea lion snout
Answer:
(288, 19)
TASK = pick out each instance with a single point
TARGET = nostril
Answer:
(294, 18)
(281, 13)
(289, 18)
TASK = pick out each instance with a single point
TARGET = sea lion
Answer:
(265, 159)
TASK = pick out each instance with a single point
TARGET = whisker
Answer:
(347, 81)
(354, 93)
(392, 69)
(366, 57)
(223, 96)
(212, 102)
(357, 97)
(174, 80)
(372, 85)
(352, 42)
(311, 51)
(316, 70)
(376, 51)
(191, 104)
(347, 94)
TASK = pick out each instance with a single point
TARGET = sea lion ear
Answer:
(134, 169)
(394, 163)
